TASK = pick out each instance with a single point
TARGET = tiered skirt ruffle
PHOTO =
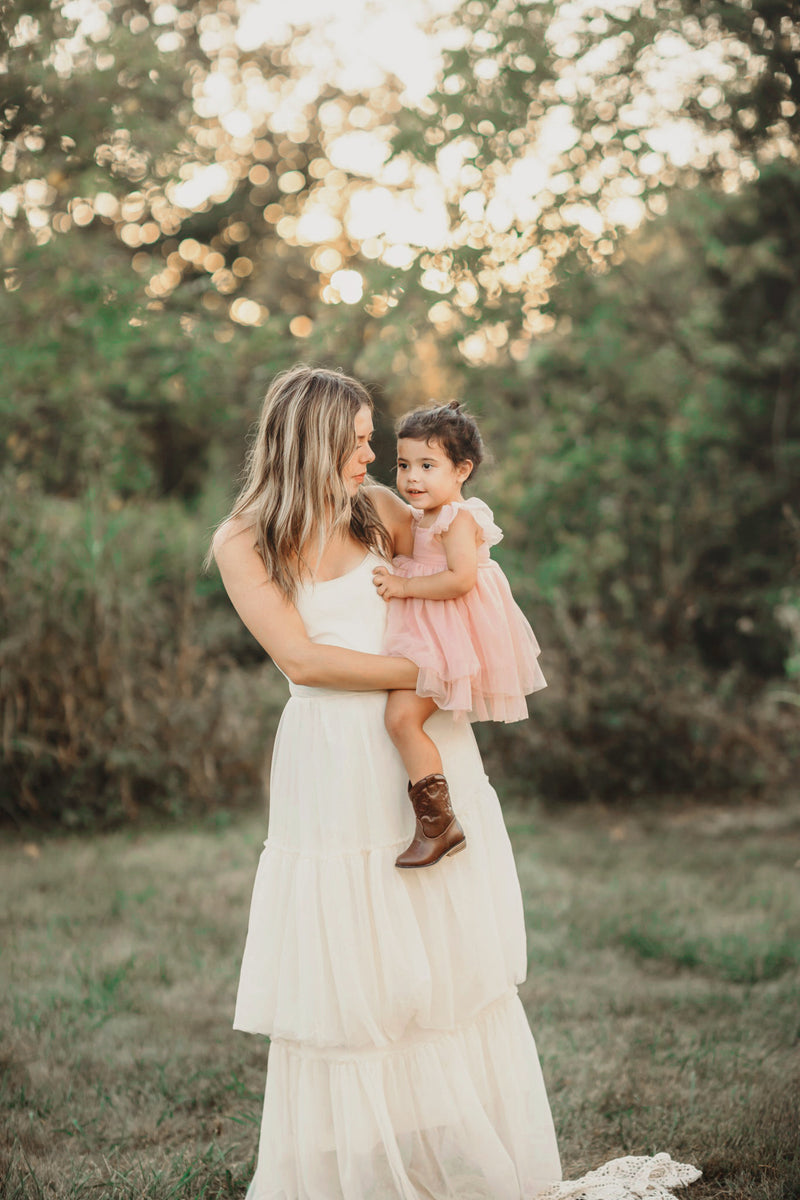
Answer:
(461, 1113)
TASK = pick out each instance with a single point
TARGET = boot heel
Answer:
(455, 850)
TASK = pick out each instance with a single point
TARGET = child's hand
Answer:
(389, 586)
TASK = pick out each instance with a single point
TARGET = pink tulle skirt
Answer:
(477, 655)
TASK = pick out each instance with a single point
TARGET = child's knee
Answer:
(398, 718)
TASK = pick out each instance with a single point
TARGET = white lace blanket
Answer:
(632, 1178)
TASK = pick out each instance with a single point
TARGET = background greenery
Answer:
(638, 390)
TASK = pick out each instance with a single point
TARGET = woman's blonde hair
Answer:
(293, 494)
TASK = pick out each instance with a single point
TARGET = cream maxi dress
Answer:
(401, 1064)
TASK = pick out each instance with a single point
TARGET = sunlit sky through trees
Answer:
(264, 82)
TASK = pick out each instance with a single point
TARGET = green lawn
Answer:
(663, 992)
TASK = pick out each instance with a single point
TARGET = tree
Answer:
(153, 279)
(640, 390)
(556, 129)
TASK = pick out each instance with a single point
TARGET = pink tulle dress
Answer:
(477, 654)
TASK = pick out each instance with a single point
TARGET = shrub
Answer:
(126, 680)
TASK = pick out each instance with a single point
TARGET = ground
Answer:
(663, 993)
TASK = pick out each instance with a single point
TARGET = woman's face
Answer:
(355, 469)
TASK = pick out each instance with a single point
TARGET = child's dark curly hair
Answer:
(449, 425)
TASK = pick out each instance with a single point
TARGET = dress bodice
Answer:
(428, 548)
(346, 611)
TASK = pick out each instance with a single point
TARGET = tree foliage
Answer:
(649, 464)
(558, 128)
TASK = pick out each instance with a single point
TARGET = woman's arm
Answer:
(277, 627)
(396, 517)
(460, 544)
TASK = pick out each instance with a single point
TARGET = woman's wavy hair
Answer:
(293, 494)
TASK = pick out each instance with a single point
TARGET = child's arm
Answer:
(460, 544)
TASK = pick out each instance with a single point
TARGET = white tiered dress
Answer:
(401, 1063)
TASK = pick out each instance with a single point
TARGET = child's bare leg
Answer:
(406, 713)
(438, 832)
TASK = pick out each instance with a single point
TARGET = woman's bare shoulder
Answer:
(229, 536)
(240, 563)
(391, 509)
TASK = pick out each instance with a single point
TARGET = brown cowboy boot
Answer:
(438, 832)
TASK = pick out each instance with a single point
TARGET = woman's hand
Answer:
(389, 586)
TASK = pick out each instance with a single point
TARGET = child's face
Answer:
(426, 477)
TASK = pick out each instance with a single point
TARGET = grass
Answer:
(663, 993)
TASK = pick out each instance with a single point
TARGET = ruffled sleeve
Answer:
(491, 534)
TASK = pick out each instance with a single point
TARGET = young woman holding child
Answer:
(401, 1063)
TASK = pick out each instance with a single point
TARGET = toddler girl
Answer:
(454, 616)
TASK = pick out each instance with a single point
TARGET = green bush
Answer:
(620, 722)
(126, 680)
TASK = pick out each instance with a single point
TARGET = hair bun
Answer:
(455, 405)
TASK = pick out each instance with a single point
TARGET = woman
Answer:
(401, 1062)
